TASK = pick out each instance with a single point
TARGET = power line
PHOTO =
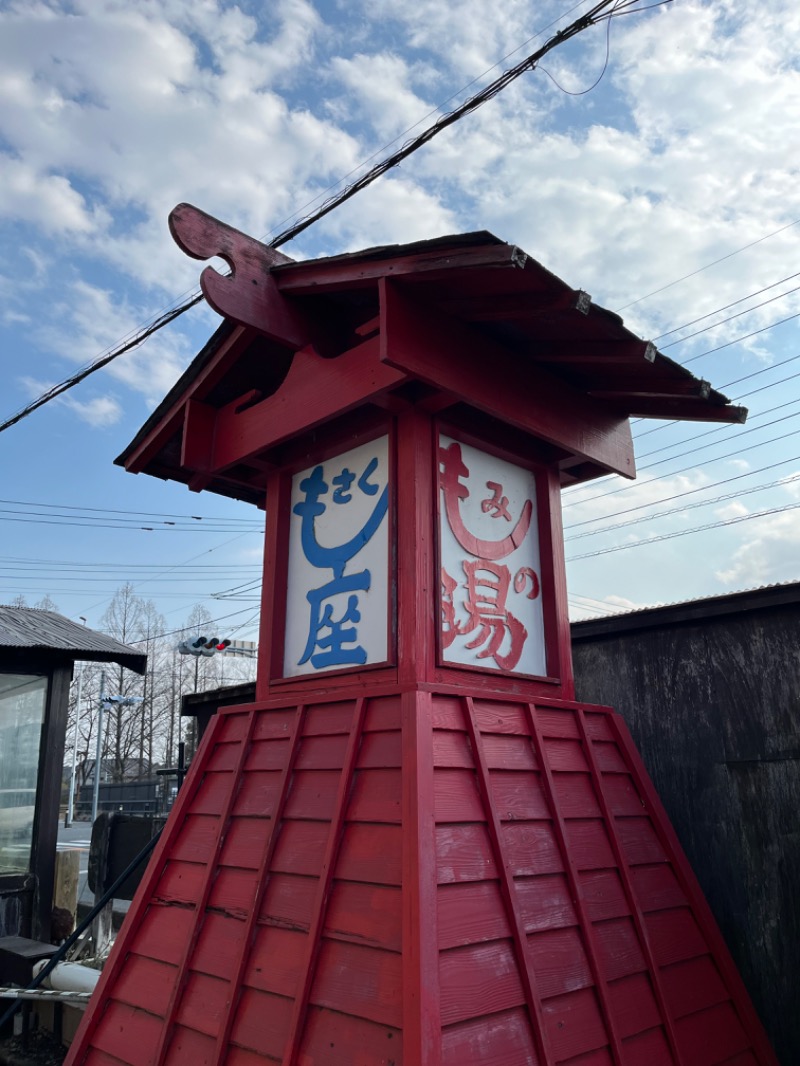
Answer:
(708, 266)
(682, 508)
(111, 510)
(727, 307)
(686, 532)
(599, 13)
(687, 492)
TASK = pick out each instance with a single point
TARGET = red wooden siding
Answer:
(424, 878)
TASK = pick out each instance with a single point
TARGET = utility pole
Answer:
(106, 703)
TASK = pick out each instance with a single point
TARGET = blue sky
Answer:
(686, 152)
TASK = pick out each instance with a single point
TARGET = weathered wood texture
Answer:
(711, 693)
(422, 878)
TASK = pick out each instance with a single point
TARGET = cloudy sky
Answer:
(669, 191)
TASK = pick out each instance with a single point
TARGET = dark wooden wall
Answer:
(711, 694)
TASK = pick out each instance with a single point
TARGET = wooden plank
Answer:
(451, 749)
(449, 355)
(426, 266)
(266, 853)
(557, 723)
(517, 796)
(376, 797)
(163, 933)
(619, 948)
(700, 907)
(488, 787)
(470, 913)
(711, 1036)
(648, 1049)
(456, 797)
(657, 887)
(225, 805)
(243, 840)
(463, 853)
(145, 983)
(187, 1045)
(312, 795)
(562, 796)
(181, 882)
(211, 795)
(559, 961)
(371, 854)
(196, 838)
(508, 753)
(635, 1005)
(365, 914)
(218, 945)
(310, 950)
(267, 755)
(492, 716)
(360, 981)
(675, 935)
(480, 979)
(531, 848)
(499, 1039)
(129, 1034)
(565, 755)
(314, 391)
(545, 902)
(617, 795)
(328, 719)
(640, 841)
(589, 844)
(574, 1024)
(276, 962)
(693, 985)
(203, 1004)
(420, 991)
(380, 751)
(383, 713)
(261, 1023)
(288, 901)
(605, 894)
(322, 752)
(335, 1039)
(223, 757)
(621, 796)
(575, 795)
(258, 793)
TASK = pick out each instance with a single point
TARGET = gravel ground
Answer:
(41, 1049)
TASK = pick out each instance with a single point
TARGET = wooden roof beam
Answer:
(482, 373)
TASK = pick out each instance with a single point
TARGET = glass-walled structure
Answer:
(22, 712)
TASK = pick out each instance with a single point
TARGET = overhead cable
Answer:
(600, 12)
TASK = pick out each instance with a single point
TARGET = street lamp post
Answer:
(106, 703)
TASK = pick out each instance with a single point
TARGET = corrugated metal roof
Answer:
(32, 629)
(664, 614)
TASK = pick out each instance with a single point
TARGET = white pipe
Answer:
(68, 977)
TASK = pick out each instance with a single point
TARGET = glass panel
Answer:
(22, 704)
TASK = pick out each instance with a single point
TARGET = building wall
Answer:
(712, 701)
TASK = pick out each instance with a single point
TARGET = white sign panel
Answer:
(489, 543)
(338, 582)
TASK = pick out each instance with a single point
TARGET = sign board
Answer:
(490, 568)
(337, 604)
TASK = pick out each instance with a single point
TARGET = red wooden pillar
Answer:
(415, 847)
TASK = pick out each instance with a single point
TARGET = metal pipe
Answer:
(68, 977)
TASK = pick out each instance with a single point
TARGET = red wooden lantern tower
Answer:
(415, 847)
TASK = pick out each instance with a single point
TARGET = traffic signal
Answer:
(202, 646)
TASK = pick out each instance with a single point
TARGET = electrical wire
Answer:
(600, 12)
(687, 492)
(686, 532)
(708, 266)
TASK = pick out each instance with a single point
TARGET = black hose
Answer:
(87, 921)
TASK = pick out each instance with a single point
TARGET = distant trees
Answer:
(144, 736)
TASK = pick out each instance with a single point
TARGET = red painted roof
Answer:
(419, 878)
(476, 280)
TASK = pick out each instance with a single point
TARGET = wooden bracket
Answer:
(248, 295)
